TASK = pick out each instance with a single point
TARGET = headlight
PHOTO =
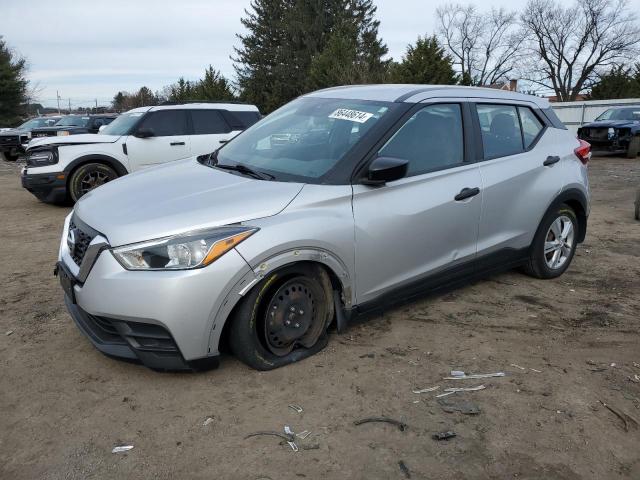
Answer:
(195, 250)
(38, 158)
(62, 133)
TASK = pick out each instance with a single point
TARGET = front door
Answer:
(426, 222)
(169, 141)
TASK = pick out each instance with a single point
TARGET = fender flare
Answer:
(578, 200)
(96, 157)
(336, 267)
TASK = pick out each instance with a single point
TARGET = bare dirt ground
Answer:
(64, 406)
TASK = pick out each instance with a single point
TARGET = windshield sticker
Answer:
(351, 115)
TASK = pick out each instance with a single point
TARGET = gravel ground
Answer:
(565, 345)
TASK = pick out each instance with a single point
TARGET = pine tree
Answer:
(13, 86)
(425, 62)
(620, 82)
(213, 87)
(291, 43)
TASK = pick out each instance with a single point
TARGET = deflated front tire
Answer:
(284, 318)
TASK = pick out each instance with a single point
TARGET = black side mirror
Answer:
(144, 133)
(386, 169)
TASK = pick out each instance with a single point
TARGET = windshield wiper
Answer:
(241, 168)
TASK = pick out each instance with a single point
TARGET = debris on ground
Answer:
(518, 366)
(401, 425)
(443, 435)
(626, 418)
(297, 408)
(425, 390)
(122, 448)
(208, 421)
(10, 332)
(396, 351)
(311, 446)
(304, 434)
(459, 375)
(450, 391)
(368, 355)
(458, 404)
(404, 469)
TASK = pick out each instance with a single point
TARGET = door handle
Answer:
(467, 193)
(551, 160)
(173, 144)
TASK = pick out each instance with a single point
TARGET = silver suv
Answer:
(340, 203)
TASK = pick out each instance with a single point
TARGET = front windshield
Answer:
(73, 121)
(123, 124)
(38, 122)
(621, 114)
(304, 139)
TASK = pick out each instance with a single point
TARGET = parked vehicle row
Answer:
(67, 167)
(13, 141)
(342, 202)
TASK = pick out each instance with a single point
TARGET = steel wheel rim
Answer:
(291, 317)
(559, 242)
(93, 180)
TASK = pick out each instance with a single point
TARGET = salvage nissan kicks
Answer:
(340, 203)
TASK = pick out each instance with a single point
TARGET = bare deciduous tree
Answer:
(569, 46)
(485, 46)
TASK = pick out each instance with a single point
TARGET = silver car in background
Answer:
(341, 203)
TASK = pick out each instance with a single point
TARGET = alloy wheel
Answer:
(559, 242)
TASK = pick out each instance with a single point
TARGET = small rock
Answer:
(10, 332)
(443, 435)
(208, 421)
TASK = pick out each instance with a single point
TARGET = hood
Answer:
(10, 131)
(612, 123)
(83, 138)
(179, 197)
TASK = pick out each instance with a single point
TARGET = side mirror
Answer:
(144, 133)
(386, 169)
(102, 127)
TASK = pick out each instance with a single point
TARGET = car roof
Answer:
(232, 107)
(418, 93)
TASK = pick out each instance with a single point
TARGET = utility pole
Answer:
(69, 106)
(58, 98)
(96, 105)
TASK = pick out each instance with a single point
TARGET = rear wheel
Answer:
(554, 244)
(284, 318)
(89, 176)
(638, 205)
(634, 147)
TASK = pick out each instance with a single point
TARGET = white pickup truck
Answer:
(59, 169)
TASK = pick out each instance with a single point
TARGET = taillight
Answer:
(583, 152)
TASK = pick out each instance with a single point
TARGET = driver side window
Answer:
(432, 139)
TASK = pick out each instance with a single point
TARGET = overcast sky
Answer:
(92, 49)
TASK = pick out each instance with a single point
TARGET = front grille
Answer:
(78, 247)
(596, 133)
(8, 139)
(43, 134)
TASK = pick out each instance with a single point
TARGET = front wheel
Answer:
(638, 205)
(89, 176)
(554, 244)
(11, 157)
(284, 318)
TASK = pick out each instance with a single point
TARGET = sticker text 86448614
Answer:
(351, 115)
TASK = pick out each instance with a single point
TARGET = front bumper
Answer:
(47, 187)
(183, 304)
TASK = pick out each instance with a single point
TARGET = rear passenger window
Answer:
(531, 126)
(208, 122)
(166, 123)
(500, 127)
(431, 139)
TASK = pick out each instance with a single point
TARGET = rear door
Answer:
(521, 174)
(210, 131)
(412, 228)
(170, 140)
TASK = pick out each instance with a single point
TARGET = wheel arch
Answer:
(577, 200)
(96, 158)
(338, 274)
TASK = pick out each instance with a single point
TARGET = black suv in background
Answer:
(75, 124)
(13, 141)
